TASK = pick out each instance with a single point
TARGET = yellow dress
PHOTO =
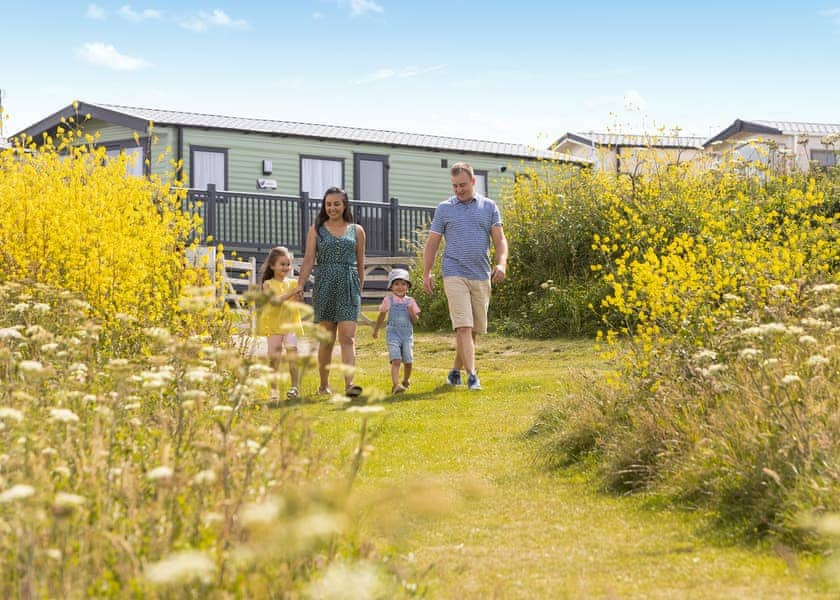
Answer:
(274, 319)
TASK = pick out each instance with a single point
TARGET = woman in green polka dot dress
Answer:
(338, 244)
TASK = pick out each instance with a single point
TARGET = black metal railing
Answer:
(257, 222)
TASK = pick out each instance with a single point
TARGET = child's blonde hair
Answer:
(267, 269)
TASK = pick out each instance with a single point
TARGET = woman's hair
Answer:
(267, 269)
(322, 215)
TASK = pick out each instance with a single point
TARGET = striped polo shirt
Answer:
(466, 228)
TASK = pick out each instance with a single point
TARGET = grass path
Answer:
(500, 526)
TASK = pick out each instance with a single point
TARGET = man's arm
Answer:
(500, 245)
(429, 254)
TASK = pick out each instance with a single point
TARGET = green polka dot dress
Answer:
(337, 294)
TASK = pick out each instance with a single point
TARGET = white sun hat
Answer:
(398, 274)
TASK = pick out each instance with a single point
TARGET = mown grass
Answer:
(456, 501)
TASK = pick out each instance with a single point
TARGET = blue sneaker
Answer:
(454, 377)
(472, 381)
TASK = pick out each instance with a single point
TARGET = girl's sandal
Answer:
(324, 391)
(406, 383)
(353, 391)
(398, 389)
(292, 394)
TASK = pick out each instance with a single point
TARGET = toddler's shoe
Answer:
(472, 381)
(454, 377)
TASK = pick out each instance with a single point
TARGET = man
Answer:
(468, 222)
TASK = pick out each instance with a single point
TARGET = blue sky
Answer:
(522, 71)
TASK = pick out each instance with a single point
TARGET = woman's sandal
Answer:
(398, 389)
(406, 383)
(353, 391)
(292, 394)
(324, 391)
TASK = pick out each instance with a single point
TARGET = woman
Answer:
(339, 246)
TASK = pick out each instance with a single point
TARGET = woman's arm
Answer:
(360, 255)
(308, 258)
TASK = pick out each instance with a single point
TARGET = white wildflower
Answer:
(817, 360)
(41, 307)
(807, 339)
(773, 328)
(194, 394)
(750, 331)
(732, 298)
(10, 333)
(199, 374)
(222, 408)
(769, 362)
(821, 309)
(795, 330)
(181, 567)
(49, 347)
(16, 492)
(54, 553)
(131, 406)
(261, 513)
(825, 287)
(204, 477)
(65, 500)
(259, 369)
(362, 578)
(49, 451)
(89, 398)
(20, 307)
(62, 470)
(749, 353)
(791, 379)
(160, 473)
(31, 366)
(65, 415)
(158, 333)
(705, 354)
(11, 413)
(717, 368)
(117, 363)
(815, 323)
(779, 289)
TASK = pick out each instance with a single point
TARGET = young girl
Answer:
(403, 313)
(279, 319)
(338, 244)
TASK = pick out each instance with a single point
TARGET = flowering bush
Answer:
(720, 314)
(71, 217)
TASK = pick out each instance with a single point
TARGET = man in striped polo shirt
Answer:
(468, 222)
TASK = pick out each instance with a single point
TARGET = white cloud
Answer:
(833, 14)
(404, 73)
(97, 13)
(126, 12)
(105, 55)
(218, 18)
(360, 7)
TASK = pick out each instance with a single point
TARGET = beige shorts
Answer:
(468, 301)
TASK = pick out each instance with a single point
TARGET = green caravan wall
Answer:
(415, 175)
(163, 147)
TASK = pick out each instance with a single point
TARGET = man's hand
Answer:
(498, 274)
(428, 282)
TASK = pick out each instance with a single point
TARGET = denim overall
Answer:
(399, 332)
